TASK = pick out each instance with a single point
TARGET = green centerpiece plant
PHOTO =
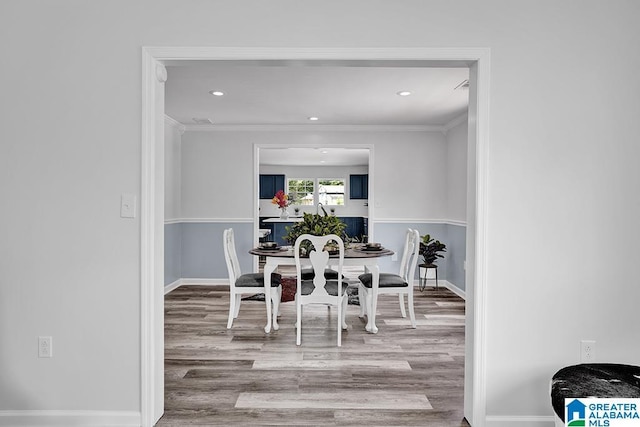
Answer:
(316, 225)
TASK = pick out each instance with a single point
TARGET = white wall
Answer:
(562, 181)
(457, 172)
(218, 165)
(172, 171)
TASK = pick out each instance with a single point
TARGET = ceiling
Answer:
(306, 156)
(277, 93)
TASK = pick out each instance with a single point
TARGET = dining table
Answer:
(354, 255)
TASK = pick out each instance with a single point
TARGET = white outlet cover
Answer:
(44, 347)
(128, 206)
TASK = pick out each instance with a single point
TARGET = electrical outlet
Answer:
(44, 347)
(128, 206)
(587, 351)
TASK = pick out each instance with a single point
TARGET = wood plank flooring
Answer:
(242, 376)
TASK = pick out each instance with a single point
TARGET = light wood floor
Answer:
(242, 376)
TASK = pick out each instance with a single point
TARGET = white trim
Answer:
(419, 221)
(174, 123)
(313, 128)
(520, 421)
(204, 282)
(455, 122)
(69, 418)
(479, 294)
(453, 288)
(206, 220)
(194, 282)
(477, 58)
(172, 286)
(147, 245)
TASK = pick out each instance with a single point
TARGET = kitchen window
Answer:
(301, 191)
(309, 191)
(331, 192)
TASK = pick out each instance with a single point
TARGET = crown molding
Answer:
(313, 128)
(455, 122)
(174, 123)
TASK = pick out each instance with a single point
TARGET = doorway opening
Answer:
(152, 209)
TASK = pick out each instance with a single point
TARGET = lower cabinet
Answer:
(355, 226)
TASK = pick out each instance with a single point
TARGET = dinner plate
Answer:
(271, 248)
(366, 249)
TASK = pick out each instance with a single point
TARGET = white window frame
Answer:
(344, 189)
(314, 193)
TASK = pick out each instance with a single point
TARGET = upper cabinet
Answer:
(359, 186)
(270, 184)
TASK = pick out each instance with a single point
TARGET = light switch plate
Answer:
(128, 206)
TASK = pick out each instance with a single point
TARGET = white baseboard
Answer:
(171, 286)
(34, 418)
(519, 421)
(204, 282)
(444, 284)
(194, 282)
(453, 288)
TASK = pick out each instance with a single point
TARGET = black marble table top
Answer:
(594, 380)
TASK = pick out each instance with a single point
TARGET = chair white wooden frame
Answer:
(319, 259)
(369, 295)
(236, 279)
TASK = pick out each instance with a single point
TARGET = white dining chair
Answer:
(320, 289)
(389, 283)
(249, 283)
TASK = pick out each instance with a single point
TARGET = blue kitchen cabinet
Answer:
(359, 186)
(355, 226)
(270, 184)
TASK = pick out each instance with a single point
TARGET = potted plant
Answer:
(430, 249)
(316, 225)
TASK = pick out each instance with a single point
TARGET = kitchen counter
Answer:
(290, 219)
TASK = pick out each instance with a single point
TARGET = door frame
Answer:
(152, 199)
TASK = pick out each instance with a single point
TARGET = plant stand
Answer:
(423, 277)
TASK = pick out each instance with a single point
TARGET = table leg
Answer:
(268, 269)
(371, 316)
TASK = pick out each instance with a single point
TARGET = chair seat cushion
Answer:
(331, 287)
(256, 280)
(387, 280)
(309, 274)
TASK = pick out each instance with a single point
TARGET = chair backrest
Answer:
(230, 256)
(319, 259)
(410, 256)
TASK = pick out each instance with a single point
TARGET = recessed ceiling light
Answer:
(216, 93)
(404, 93)
(322, 161)
(324, 151)
(313, 119)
